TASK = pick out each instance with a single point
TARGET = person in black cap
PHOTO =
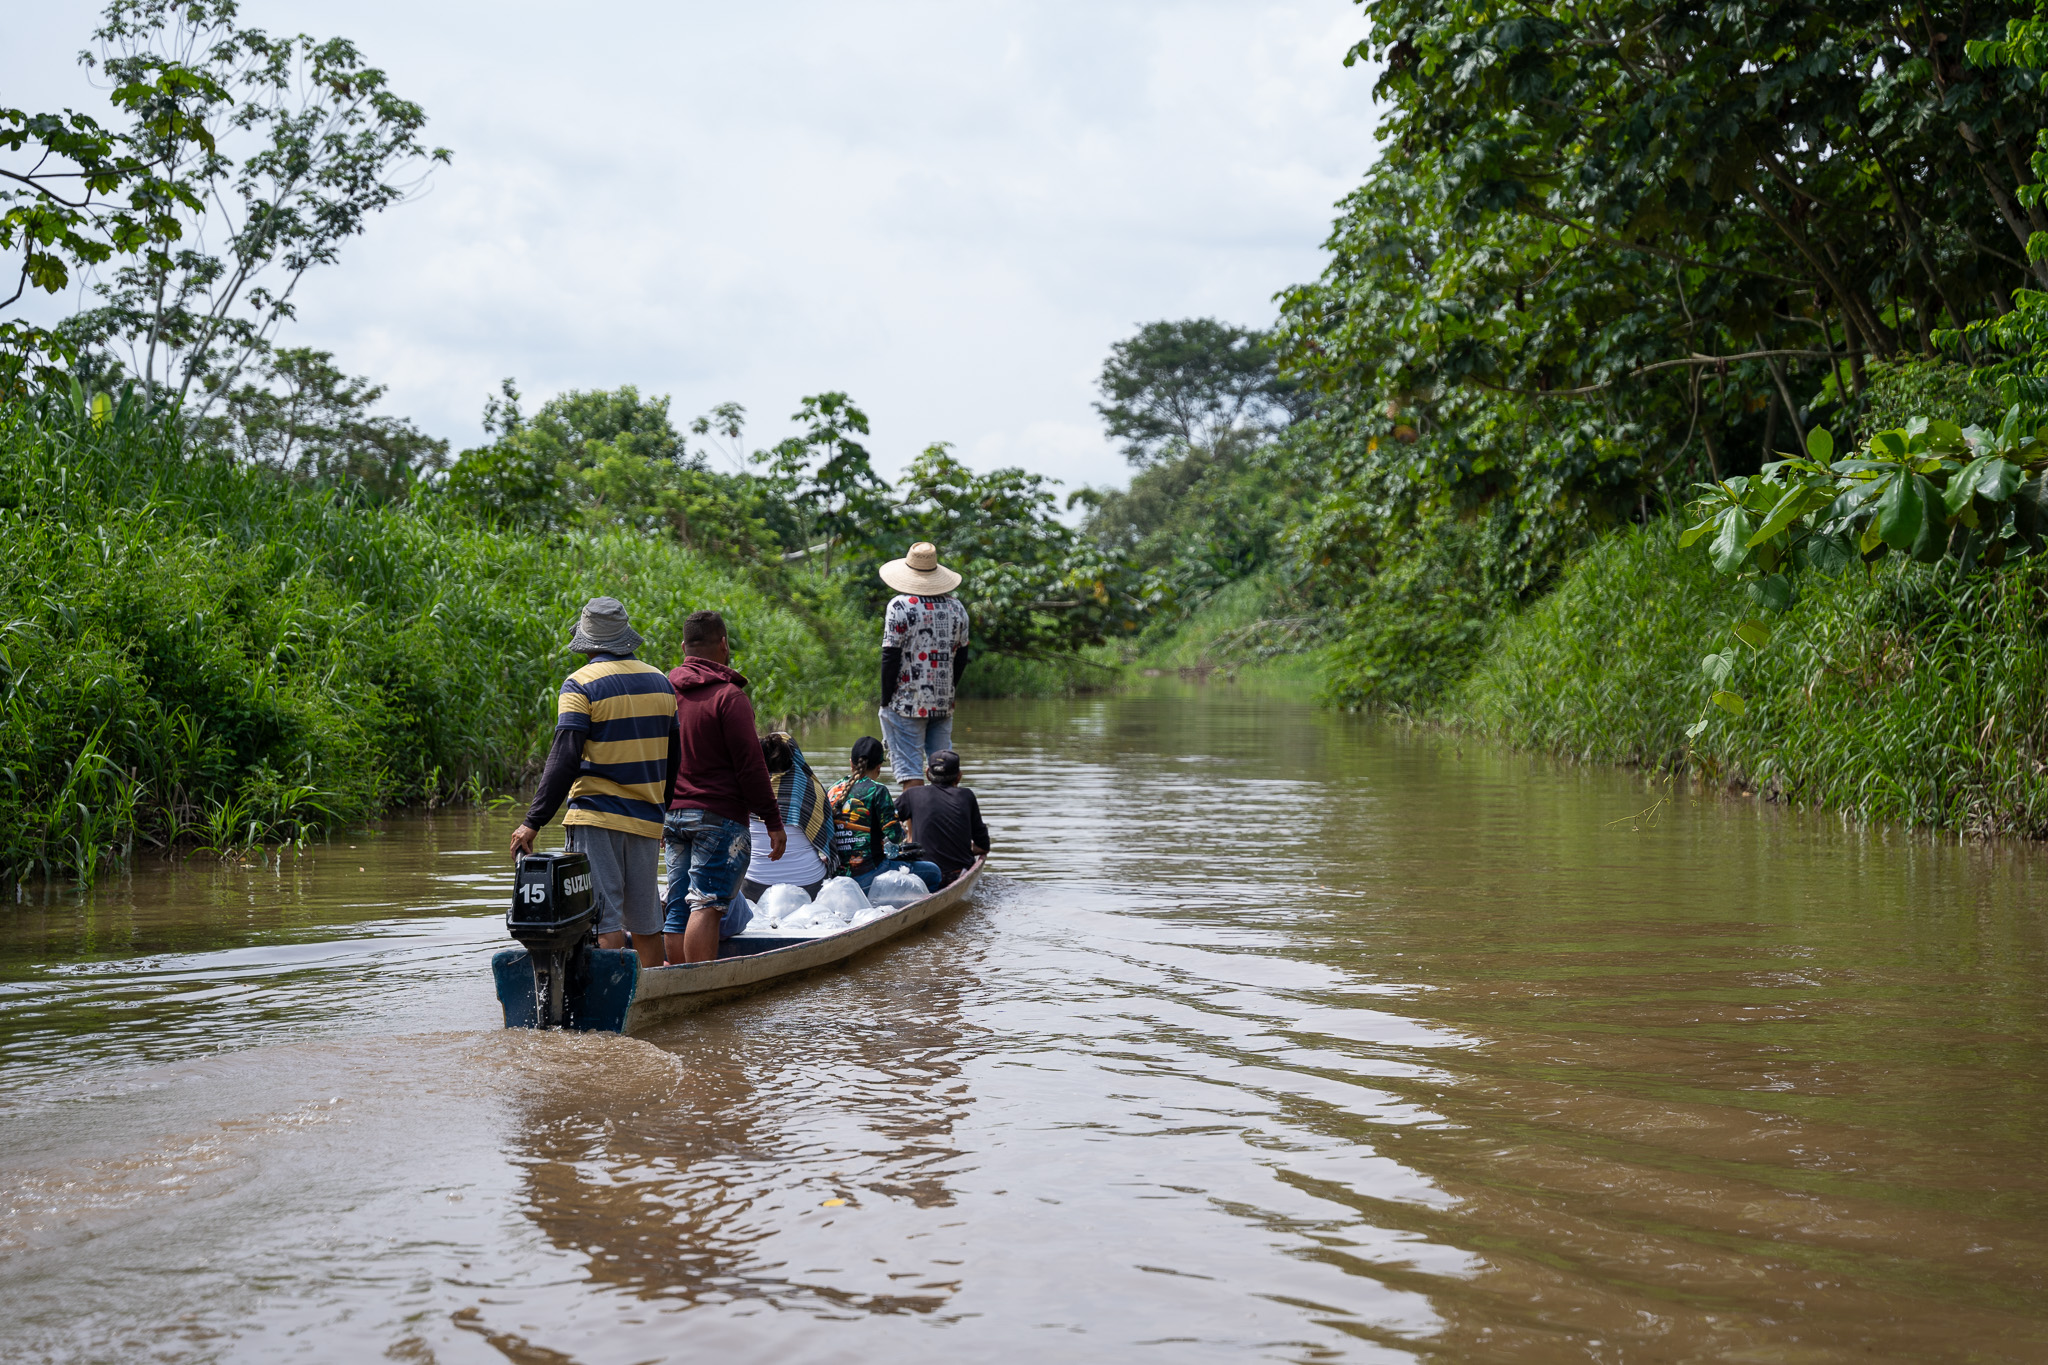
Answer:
(866, 834)
(944, 818)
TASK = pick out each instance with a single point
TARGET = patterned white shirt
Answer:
(928, 630)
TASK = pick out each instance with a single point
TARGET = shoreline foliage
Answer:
(1906, 693)
(196, 651)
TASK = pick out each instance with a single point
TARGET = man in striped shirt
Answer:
(614, 758)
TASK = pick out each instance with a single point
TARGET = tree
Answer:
(1827, 171)
(1184, 384)
(1035, 585)
(83, 194)
(311, 421)
(723, 430)
(826, 476)
(609, 458)
(513, 482)
(283, 147)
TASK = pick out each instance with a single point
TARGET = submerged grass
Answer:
(194, 652)
(1909, 694)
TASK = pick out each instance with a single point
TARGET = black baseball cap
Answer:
(867, 752)
(943, 766)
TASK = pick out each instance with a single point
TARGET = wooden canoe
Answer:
(624, 997)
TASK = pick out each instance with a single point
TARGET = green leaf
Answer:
(1732, 704)
(1962, 486)
(1697, 728)
(1788, 510)
(1731, 543)
(1821, 445)
(1999, 480)
(1772, 592)
(1693, 533)
(1830, 553)
(1931, 544)
(1717, 667)
(1755, 634)
(1900, 512)
(1893, 443)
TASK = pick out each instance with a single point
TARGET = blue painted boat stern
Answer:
(599, 991)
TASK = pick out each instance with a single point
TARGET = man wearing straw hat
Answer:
(614, 758)
(924, 652)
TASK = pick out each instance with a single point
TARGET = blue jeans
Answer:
(913, 739)
(928, 873)
(707, 861)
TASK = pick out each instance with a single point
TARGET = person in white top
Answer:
(806, 810)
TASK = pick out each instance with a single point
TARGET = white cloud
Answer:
(948, 211)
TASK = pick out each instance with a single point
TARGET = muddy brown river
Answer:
(1276, 1035)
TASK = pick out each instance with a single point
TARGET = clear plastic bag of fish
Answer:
(807, 920)
(897, 888)
(840, 899)
(779, 904)
(869, 915)
(757, 918)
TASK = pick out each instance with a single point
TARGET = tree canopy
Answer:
(1186, 384)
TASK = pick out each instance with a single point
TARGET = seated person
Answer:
(944, 818)
(865, 831)
(808, 860)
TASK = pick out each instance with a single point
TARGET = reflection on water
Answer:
(676, 1176)
(1279, 1035)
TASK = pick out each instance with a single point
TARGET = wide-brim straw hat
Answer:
(920, 573)
(603, 629)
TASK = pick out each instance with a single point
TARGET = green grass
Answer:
(1246, 623)
(1907, 694)
(1009, 675)
(197, 653)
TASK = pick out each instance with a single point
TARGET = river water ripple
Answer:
(1276, 1035)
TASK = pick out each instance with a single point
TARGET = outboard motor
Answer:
(555, 916)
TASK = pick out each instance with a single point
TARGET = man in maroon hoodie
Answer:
(720, 781)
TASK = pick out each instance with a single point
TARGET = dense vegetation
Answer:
(239, 603)
(1768, 282)
(1774, 278)
(195, 650)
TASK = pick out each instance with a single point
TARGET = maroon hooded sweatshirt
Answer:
(721, 770)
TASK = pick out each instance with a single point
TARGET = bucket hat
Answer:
(603, 629)
(920, 573)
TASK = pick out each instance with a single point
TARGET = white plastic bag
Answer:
(897, 888)
(780, 903)
(870, 915)
(841, 899)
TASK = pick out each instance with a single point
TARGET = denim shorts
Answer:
(911, 740)
(707, 862)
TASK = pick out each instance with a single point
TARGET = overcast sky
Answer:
(949, 211)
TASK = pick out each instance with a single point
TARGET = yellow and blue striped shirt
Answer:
(627, 710)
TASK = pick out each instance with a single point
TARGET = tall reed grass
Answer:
(1910, 694)
(194, 652)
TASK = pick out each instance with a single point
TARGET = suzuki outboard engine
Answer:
(555, 916)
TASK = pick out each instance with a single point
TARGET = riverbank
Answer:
(1907, 694)
(193, 652)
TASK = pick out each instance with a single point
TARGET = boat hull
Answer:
(625, 997)
(666, 992)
